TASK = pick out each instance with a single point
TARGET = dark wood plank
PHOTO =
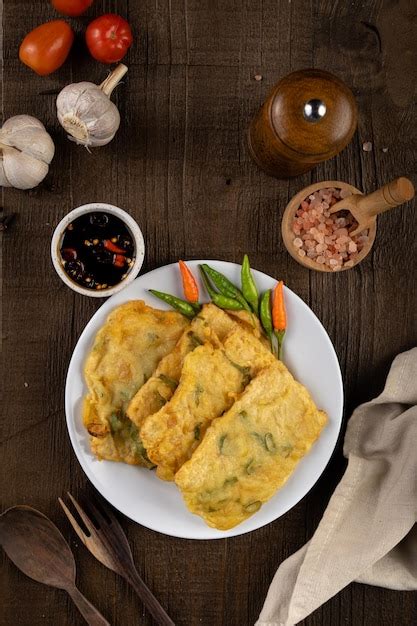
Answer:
(181, 166)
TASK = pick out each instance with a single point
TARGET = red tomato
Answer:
(72, 7)
(46, 47)
(108, 38)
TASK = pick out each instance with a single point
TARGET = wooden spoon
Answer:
(398, 191)
(38, 549)
(365, 208)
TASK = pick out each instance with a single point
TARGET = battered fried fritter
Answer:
(125, 353)
(249, 452)
(211, 380)
(251, 323)
(211, 326)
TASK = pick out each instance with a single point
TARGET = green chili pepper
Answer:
(270, 442)
(250, 467)
(195, 341)
(266, 317)
(249, 289)
(170, 382)
(211, 292)
(223, 302)
(252, 507)
(221, 442)
(220, 300)
(260, 439)
(225, 287)
(180, 305)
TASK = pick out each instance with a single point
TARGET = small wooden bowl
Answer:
(288, 235)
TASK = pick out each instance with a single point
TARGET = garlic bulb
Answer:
(26, 149)
(86, 111)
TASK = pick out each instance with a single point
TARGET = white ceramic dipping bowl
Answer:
(94, 207)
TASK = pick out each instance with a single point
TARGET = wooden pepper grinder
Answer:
(308, 117)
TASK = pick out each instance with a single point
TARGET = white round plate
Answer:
(137, 492)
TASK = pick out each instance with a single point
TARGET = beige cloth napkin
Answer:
(368, 532)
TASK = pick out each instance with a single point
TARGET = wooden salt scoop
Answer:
(364, 209)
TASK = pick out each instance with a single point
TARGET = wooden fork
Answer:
(108, 543)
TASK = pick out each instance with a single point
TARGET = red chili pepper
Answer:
(189, 284)
(119, 260)
(109, 245)
(69, 254)
(279, 317)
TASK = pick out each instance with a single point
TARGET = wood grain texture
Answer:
(180, 164)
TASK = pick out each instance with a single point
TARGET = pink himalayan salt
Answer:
(324, 236)
(342, 240)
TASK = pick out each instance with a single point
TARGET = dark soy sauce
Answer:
(97, 250)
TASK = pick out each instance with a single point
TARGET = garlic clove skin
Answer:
(87, 113)
(18, 122)
(21, 170)
(3, 180)
(26, 149)
(74, 103)
(31, 140)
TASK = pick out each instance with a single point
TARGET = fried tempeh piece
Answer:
(250, 452)
(211, 326)
(211, 380)
(125, 352)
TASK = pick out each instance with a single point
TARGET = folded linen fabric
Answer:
(368, 532)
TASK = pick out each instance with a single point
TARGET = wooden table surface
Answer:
(180, 165)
